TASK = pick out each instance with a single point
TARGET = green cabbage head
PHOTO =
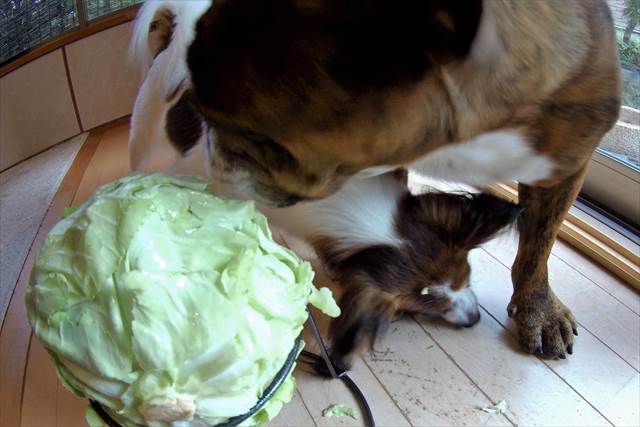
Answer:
(168, 305)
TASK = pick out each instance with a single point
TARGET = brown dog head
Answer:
(302, 94)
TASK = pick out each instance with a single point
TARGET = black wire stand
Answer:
(280, 377)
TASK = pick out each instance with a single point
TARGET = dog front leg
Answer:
(366, 312)
(545, 325)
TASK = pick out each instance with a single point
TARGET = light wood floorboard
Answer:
(422, 372)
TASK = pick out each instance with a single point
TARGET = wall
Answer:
(71, 90)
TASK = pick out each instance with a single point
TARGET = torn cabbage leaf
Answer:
(167, 304)
(498, 408)
(339, 410)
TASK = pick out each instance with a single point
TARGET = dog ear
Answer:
(287, 48)
(160, 31)
(465, 219)
(366, 312)
(447, 28)
(487, 216)
(389, 43)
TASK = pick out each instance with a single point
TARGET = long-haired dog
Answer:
(391, 251)
(394, 252)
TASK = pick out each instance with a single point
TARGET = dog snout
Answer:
(473, 319)
(464, 310)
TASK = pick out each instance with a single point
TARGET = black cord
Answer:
(280, 377)
(324, 357)
(364, 405)
(353, 387)
(103, 414)
(323, 348)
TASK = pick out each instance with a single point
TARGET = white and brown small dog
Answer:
(392, 252)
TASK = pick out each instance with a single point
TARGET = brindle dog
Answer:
(301, 95)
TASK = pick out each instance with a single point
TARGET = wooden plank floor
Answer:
(422, 372)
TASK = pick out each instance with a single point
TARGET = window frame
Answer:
(592, 237)
(614, 185)
(84, 29)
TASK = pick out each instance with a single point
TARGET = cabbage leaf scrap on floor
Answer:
(339, 410)
(498, 408)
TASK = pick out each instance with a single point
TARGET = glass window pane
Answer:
(27, 23)
(98, 8)
(623, 142)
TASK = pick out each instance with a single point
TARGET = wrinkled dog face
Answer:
(302, 94)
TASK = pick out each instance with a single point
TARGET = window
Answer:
(25, 24)
(613, 181)
(626, 15)
(97, 8)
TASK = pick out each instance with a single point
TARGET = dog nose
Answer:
(464, 310)
(473, 320)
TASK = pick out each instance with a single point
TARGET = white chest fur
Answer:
(491, 157)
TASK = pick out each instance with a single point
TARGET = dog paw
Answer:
(545, 325)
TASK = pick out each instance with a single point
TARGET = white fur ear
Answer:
(185, 14)
(149, 147)
(141, 46)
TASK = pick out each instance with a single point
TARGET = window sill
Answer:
(610, 249)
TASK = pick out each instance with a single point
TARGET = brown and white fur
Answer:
(392, 252)
(300, 96)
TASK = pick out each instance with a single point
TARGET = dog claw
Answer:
(544, 324)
